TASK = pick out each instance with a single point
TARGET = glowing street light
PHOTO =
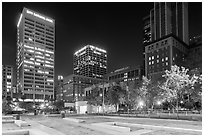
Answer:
(42, 105)
(158, 102)
(47, 104)
(141, 104)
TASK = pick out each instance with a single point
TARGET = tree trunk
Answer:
(177, 109)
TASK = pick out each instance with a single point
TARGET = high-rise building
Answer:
(169, 18)
(35, 55)
(90, 61)
(146, 30)
(169, 37)
(162, 54)
(7, 80)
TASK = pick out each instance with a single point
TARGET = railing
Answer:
(161, 114)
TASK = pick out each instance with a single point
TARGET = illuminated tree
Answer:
(144, 90)
(176, 81)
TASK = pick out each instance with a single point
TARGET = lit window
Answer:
(157, 56)
(8, 77)
(152, 62)
(8, 83)
(30, 39)
(166, 63)
(37, 63)
(30, 50)
(166, 58)
(157, 61)
(26, 69)
(152, 57)
(149, 58)
(162, 59)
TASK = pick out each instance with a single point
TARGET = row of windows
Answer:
(37, 78)
(36, 96)
(27, 20)
(39, 32)
(131, 74)
(157, 45)
(40, 41)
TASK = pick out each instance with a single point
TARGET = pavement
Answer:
(99, 125)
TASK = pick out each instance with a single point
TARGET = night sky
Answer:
(115, 27)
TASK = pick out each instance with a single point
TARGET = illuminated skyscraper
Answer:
(35, 55)
(90, 61)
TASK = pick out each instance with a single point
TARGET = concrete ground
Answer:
(104, 125)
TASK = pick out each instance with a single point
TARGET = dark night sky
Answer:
(115, 27)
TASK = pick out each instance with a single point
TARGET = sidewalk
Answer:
(39, 129)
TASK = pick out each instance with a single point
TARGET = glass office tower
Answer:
(35, 55)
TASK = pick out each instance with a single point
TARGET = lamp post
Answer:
(128, 97)
(103, 97)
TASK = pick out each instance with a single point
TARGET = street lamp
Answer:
(47, 104)
(128, 97)
(159, 103)
(141, 104)
(103, 97)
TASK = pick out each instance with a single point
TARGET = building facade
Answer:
(162, 54)
(7, 81)
(73, 87)
(194, 57)
(90, 61)
(146, 30)
(169, 18)
(35, 55)
(169, 37)
(101, 86)
(125, 74)
(59, 88)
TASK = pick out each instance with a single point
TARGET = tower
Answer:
(90, 61)
(169, 37)
(35, 55)
(169, 18)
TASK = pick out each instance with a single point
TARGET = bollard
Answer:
(63, 114)
(18, 117)
(35, 112)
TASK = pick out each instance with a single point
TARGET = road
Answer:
(93, 125)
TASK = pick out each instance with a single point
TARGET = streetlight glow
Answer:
(42, 105)
(141, 104)
(159, 102)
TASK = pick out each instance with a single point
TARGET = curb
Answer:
(74, 120)
(113, 126)
(21, 123)
(7, 121)
(16, 132)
